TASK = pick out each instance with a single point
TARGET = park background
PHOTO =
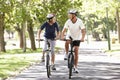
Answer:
(20, 20)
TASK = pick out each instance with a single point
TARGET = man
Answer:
(76, 29)
(51, 27)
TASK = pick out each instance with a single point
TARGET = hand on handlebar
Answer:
(64, 39)
(39, 39)
(57, 38)
(81, 40)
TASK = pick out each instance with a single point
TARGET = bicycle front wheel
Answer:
(70, 64)
(48, 66)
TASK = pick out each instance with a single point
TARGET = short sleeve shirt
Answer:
(74, 29)
(50, 30)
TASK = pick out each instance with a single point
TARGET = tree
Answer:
(24, 20)
(2, 42)
(5, 9)
(118, 23)
(98, 8)
(58, 7)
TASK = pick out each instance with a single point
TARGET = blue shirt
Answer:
(50, 30)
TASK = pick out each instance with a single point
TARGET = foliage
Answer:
(54, 6)
(18, 11)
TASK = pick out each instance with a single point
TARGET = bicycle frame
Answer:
(71, 50)
(71, 58)
(48, 60)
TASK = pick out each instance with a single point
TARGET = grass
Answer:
(13, 61)
(114, 47)
(113, 50)
(20, 51)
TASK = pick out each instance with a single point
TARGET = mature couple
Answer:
(73, 27)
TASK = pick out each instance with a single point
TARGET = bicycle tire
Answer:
(70, 64)
(48, 65)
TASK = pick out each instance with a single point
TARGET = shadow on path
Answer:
(93, 65)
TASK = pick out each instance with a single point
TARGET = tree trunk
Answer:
(31, 35)
(96, 36)
(20, 33)
(2, 42)
(24, 36)
(21, 38)
(118, 24)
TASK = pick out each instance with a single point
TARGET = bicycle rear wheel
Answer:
(48, 65)
(70, 64)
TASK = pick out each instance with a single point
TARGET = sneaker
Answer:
(75, 70)
(53, 67)
(66, 56)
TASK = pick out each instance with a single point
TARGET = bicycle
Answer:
(70, 56)
(48, 59)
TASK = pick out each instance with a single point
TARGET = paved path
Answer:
(93, 65)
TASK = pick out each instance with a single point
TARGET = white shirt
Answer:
(74, 29)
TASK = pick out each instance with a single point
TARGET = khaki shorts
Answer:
(52, 45)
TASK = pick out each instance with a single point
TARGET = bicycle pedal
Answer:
(65, 59)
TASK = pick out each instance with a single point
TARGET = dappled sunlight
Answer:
(92, 65)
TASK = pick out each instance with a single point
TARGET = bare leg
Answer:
(43, 56)
(53, 58)
(67, 46)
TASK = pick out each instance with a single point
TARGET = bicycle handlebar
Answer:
(69, 40)
(44, 39)
(39, 39)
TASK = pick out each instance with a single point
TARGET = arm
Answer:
(38, 33)
(83, 35)
(58, 35)
(58, 31)
(65, 28)
(40, 30)
(63, 33)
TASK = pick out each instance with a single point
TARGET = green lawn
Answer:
(13, 61)
(114, 47)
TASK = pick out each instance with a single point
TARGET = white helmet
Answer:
(49, 16)
(72, 11)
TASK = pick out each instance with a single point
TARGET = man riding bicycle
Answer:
(51, 27)
(75, 28)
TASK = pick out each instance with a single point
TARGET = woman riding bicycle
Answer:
(51, 27)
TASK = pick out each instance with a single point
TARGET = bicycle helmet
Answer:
(73, 11)
(50, 16)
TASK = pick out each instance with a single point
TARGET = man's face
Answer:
(70, 16)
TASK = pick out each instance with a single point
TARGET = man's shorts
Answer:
(76, 43)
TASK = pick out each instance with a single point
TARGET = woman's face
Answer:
(54, 19)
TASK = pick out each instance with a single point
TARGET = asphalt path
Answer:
(93, 64)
